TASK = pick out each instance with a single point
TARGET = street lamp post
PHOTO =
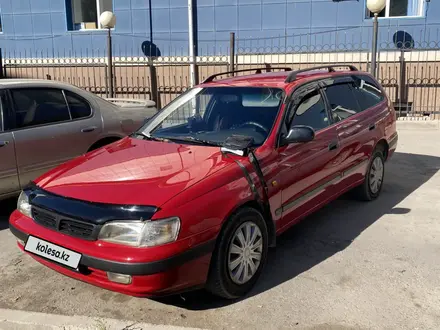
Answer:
(108, 21)
(375, 6)
(192, 28)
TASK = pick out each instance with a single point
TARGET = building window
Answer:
(84, 14)
(400, 8)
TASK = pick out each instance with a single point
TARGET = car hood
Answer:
(134, 172)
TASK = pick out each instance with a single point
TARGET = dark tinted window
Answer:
(367, 92)
(39, 106)
(342, 101)
(311, 112)
(79, 108)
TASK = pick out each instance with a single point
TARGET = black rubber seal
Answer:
(249, 180)
(260, 175)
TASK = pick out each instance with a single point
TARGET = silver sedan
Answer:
(45, 123)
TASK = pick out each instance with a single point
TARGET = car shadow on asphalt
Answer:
(328, 231)
(6, 208)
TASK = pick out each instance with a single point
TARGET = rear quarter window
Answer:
(79, 108)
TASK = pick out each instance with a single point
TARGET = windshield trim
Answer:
(163, 113)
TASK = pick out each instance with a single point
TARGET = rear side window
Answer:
(79, 108)
(367, 92)
(39, 106)
(342, 101)
(311, 112)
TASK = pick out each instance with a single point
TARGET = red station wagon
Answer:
(197, 195)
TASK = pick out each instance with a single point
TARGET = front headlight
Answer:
(141, 233)
(23, 204)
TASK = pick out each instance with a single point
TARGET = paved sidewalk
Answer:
(410, 124)
(20, 320)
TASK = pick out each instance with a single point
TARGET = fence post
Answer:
(153, 83)
(232, 52)
(373, 67)
(1, 64)
(106, 80)
(402, 97)
(110, 63)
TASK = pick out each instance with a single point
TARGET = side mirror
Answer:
(300, 134)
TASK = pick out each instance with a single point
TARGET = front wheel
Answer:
(240, 255)
(372, 185)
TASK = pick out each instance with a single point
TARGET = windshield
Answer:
(211, 115)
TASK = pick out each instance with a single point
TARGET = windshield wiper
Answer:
(149, 137)
(139, 134)
(177, 139)
(194, 140)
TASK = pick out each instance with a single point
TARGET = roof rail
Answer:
(257, 71)
(292, 76)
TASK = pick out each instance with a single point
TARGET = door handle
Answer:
(88, 129)
(372, 126)
(3, 143)
(333, 145)
(344, 126)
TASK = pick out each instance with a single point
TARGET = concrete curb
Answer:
(418, 124)
(21, 320)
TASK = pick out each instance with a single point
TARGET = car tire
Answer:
(371, 188)
(224, 278)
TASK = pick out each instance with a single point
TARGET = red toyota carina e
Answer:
(197, 195)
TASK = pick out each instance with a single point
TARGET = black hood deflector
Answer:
(95, 213)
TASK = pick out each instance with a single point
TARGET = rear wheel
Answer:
(372, 185)
(240, 254)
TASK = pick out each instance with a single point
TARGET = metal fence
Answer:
(409, 74)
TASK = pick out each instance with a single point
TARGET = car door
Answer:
(355, 127)
(307, 171)
(51, 127)
(9, 183)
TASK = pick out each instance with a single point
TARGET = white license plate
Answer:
(52, 252)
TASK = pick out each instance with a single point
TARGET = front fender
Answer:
(202, 209)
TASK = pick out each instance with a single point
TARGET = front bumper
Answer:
(151, 278)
